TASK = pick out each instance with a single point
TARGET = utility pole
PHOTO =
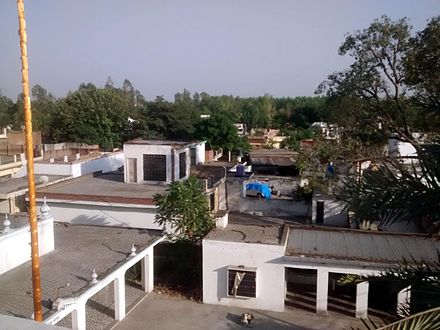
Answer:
(38, 313)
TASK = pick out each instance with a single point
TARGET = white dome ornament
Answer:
(6, 225)
(94, 277)
(44, 209)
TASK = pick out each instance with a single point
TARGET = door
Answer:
(132, 170)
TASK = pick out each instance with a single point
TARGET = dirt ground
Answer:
(162, 312)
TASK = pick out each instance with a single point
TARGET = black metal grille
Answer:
(182, 165)
(247, 287)
(155, 168)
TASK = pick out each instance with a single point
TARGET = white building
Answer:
(160, 161)
(281, 265)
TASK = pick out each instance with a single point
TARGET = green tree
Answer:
(422, 72)
(92, 115)
(185, 210)
(393, 192)
(218, 131)
(377, 75)
(43, 108)
(6, 111)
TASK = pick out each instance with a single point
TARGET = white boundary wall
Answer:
(103, 214)
(15, 246)
(105, 164)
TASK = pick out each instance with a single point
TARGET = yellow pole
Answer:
(38, 313)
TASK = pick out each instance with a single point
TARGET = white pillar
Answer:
(321, 291)
(147, 272)
(119, 286)
(403, 301)
(362, 300)
(79, 317)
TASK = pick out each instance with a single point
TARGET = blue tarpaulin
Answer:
(263, 188)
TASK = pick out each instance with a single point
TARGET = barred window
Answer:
(242, 283)
(155, 168)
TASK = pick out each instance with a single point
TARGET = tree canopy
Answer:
(185, 210)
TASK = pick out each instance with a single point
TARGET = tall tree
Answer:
(423, 72)
(92, 115)
(377, 75)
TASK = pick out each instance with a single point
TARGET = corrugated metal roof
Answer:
(272, 160)
(247, 234)
(353, 246)
(276, 157)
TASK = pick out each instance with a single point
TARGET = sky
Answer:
(234, 47)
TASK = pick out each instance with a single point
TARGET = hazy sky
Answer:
(239, 47)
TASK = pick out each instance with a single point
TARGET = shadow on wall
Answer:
(98, 220)
(222, 277)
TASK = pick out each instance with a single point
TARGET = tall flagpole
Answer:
(38, 314)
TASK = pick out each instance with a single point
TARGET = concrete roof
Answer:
(109, 188)
(362, 248)
(259, 234)
(171, 143)
(10, 187)
(78, 250)
(250, 219)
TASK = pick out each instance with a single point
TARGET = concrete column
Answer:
(119, 286)
(362, 300)
(321, 291)
(147, 272)
(403, 301)
(79, 317)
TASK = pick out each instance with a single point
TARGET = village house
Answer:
(262, 266)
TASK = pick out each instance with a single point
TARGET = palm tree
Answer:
(394, 191)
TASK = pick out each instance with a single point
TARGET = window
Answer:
(182, 165)
(193, 156)
(155, 168)
(242, 282)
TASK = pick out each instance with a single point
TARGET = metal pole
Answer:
(38, 314)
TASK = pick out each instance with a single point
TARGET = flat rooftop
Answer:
(10, 187)
(162, 142)
(78, 250)
(71, 159)
(108, 187)
(361, 248)
(258, 234)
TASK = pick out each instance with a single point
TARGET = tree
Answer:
(43, 108)
(422, 71)
(92, 115)
(184, 208)
(377, 75)
(218, 131)
(380, 78)
(392, 192)
(6, 111)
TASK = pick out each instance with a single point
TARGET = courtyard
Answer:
(163, 312)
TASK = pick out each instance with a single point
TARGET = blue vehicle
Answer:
(258, 189)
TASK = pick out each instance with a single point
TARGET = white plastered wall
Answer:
(218, 255)
(103, 214)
